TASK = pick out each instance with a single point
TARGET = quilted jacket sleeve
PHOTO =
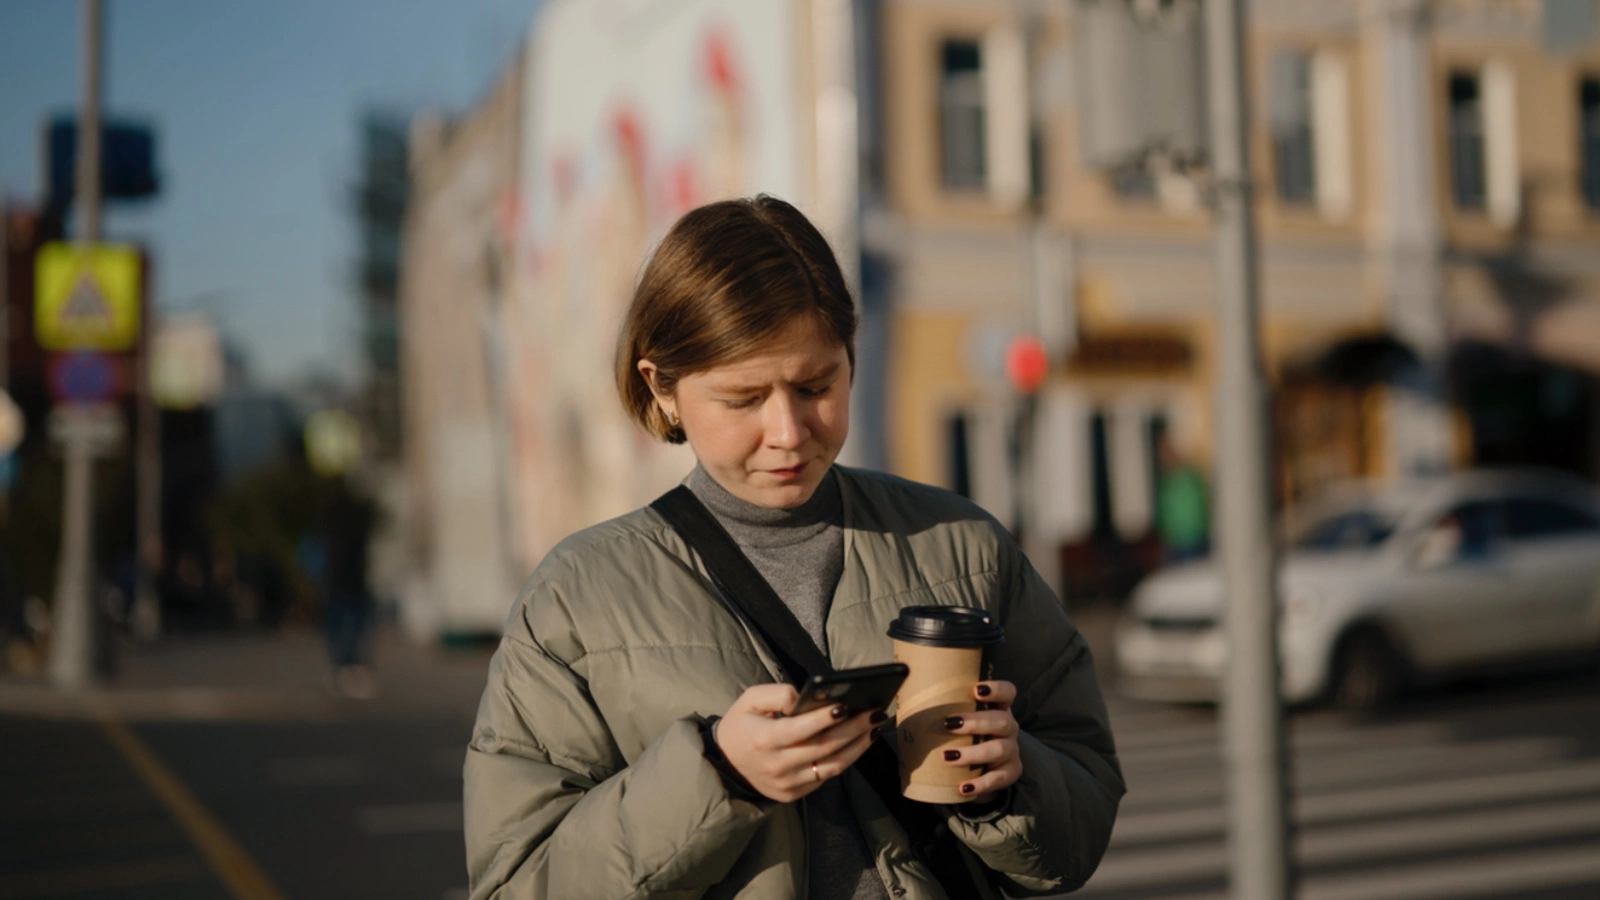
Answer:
(552, 810)
(1059, 821)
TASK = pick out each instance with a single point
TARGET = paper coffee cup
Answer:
(944, 646)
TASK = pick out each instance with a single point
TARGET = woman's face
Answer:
(767, 427)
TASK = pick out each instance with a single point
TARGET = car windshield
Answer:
(1349, 529)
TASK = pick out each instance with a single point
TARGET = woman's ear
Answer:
(651, 375)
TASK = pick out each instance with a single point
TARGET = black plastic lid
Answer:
(947, 626)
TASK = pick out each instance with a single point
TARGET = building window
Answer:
(1037, 186)
(1157, 432)
(1468, 174)
(960, 471)
(1293, 154)
(961, 116)
(1100, 475)
(1589, 129)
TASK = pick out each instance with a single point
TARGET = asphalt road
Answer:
(1484, 789)
(364, 807)
(1489, 790)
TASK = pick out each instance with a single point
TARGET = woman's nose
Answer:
(786, 425)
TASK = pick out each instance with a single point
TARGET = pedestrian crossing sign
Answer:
(86, 297)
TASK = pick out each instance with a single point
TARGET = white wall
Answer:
(636, 111)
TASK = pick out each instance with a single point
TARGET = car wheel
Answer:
(1368, 673)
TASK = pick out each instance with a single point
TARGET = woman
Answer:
(631, 742)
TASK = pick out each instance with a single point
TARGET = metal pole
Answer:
(5, 295)
(5, 328)
(89, 126)
(1253, 746)
(1038, 545)
(146, 613)
(72, 650)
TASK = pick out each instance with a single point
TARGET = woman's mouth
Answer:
(788, 474)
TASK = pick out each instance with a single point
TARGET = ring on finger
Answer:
(815, 772)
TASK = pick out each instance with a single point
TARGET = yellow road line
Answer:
(227, 859)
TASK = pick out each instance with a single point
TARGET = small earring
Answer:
(672, 418)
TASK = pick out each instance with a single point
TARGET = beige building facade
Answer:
(1425, 176)
(533, 215)
(462, 552)
(635, 114)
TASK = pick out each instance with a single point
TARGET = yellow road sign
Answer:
(86, 298)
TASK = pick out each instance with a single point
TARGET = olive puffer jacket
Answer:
(586, 775)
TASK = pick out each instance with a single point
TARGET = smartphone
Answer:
(860, 690)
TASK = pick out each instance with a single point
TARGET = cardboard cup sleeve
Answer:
(940, 685)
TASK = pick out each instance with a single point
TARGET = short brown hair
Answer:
(727, 279)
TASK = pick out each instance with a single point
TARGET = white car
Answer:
(1384, 582)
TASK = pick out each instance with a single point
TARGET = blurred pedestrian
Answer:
(631, 742)
(347, 595)
(17, 649)
(188, 589)
(1183, 511)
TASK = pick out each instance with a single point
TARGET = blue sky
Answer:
(257, 107)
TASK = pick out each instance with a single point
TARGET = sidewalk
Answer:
(256, 675)
(283, 674)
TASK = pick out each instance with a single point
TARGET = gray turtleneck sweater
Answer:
(800, 552)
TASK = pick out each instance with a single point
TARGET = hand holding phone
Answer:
(858, 690)
(785, 757)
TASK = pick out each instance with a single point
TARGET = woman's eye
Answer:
(817, 391)
(746, 403)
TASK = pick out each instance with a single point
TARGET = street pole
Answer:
(5, 332)
(1253, 746)
(1039, 545)
(72, 644)
(89, 126)
(145, 617)
(5, 295)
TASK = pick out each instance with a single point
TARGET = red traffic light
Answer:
(1026, 363)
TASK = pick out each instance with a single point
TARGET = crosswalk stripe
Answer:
(1452, 831)
(1129, 741)
(105, 879)
(1353, 843)
(1480, 799)
(1155, 790)
(1129, 720)
(1304, 743)
(1430, 796)
(343, 770)
(409, 818)
(1448, 793)
(1491, 875)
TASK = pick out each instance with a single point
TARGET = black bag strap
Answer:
(747, 593)
(752, 600)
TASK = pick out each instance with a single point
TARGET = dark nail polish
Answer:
(984, 690)
(952, 755)
(952, 722)
(879, 717)
(839, 712)
(968, 788)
